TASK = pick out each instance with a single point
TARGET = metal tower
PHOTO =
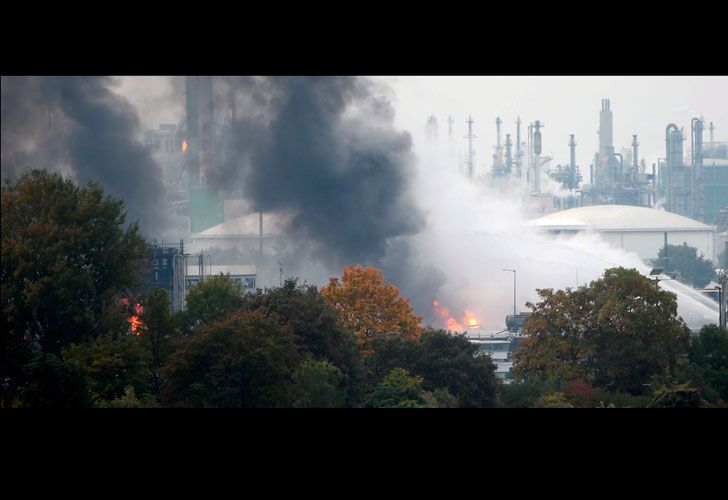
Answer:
(697, 164)
(471, 153)
(509, 161)
(537, 156)
(498, 156)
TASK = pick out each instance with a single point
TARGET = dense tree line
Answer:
(71, 264)
(616, 342)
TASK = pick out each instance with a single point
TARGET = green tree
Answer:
(315, 323)
(621, 332)
(157, 332)
(241, 360)
(553, 400)
(723, 259)
(111, 364)
(130, 400)
(440, 398)
(318, 385)
(692, 269)
(708, 356)
(212, 298)
(398, 389)
(678, 397)
(443, 360)
(54, 384)
(66, 259)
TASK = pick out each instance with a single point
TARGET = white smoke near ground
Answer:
(474, 231)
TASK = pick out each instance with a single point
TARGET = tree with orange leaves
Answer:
(369, 307)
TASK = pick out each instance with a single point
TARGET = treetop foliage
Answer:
(369, 307)
(691, 268)
(621, 332)
(66, 259)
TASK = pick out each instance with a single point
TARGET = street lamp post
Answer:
(514, 288)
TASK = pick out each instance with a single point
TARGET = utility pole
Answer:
(280, 271)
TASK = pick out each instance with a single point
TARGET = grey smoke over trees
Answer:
(325, 150)
(80, 126)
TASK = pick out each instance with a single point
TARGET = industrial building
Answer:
(697, 186)
(636, 229)
(243, 275)
(255, 232)
(168, 273)
(614, 180)
(177, 272)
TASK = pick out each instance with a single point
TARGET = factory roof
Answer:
(233, 270)
(247, 226)
(619, 218)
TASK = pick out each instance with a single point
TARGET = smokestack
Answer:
(572, 151)
(537, 152)
(509, 163)
(635, 153)
(498, 147)
(193, 131)
(518, 146)
(207, 107)
(470, 138)
(572, 162)
(697, 164)
(605, 130)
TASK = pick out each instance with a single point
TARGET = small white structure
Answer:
(636, 229)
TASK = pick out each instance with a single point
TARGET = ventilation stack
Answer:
(193, 131)
(605, 131)
(471, 153)
(697, 164)
(509, 161)
(572, 162)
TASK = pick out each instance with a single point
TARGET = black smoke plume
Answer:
(78, 125)
(325, 150)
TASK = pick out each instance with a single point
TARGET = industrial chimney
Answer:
(605, 131)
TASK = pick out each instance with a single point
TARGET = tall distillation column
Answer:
(537, 157)
(605, 130)
(471, 153)
(673, 157)
(509, 161)
(572, 162)
(193, 131)
(698, 187)
(519, 154)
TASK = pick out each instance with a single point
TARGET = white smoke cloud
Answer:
(473, 232)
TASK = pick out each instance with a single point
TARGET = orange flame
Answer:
(135, 320)
(468, 319)
(184, 146)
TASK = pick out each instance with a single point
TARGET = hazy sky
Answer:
(566, 104)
